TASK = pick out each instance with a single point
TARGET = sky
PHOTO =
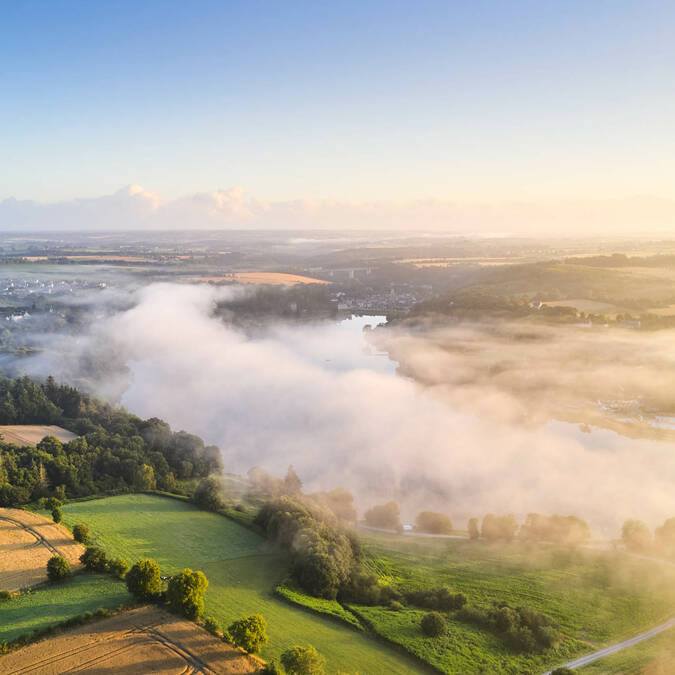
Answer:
(356, 103)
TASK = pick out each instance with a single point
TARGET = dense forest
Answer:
(114, 451)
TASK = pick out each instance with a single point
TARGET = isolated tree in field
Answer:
(81, 533)
(665, 536)
(303, 661)
(52, 503)
(186, 593)
(499, 527)
(292, 482)
(636, 536)
(387, 516)
(119, 567)
(57, 568)
(433, 523)
(433, 624)
(472, 527)
(249, 633)
(56, 514)
(208, 494)
(94, 559)
(144, 580)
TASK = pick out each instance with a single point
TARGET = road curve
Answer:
(620, 646)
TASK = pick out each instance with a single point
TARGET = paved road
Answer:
(601, 653)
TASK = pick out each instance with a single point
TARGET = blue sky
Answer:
(470, 100)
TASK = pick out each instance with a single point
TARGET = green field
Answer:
(49, 605)
(655, 656)
(594, 597)
(242, 574)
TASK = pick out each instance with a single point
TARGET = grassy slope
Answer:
(242, 574)
(50, 605)
(594, 597)
(655, 656)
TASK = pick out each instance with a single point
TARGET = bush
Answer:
(119, 567)
(57, 514)
(437, 598)
(81, 533)
(249, 633)
(433, 624)
(562, 671)
(212, 625)
(208, 494)
(433, 523)
(303, 661)
(57, 568)
(94, 559)
(186, 593)
(396, 606)
(272, 668)
(144, 580)
(4, 596)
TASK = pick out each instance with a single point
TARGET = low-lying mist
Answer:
(278, 399)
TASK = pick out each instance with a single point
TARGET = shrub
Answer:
(211, 624)
(249, 633)
(303, 661)
(186, 593)
(81, 533)
(437, 598)
(208, 494)
(272, 668)
(4, 596)
(396, 606)
(57, 514)
(94, 559)
(433, 624)
(57, 568)
(144, 580)
(119, 567)
(433, 523)
(562, 671)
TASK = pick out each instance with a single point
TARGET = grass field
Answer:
(242, 575)
(50, 605)
(655, 656)
(595, 597)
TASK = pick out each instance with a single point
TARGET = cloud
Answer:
(274, 401)
(136, 208)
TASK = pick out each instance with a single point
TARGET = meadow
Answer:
(50, 605)
(241, 570)
(594, 597)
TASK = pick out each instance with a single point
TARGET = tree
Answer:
(665, 535)
(433, 523)
(433, 624)
(56, 514)
(386, 516)
(303, 661)
(81, 533)
(144, 580)
(249, 633)
(57, 568)
(207, 495)
(636, 536)
(473, 528)
(146, 478)
(292, 483)
(499, 527)
(119, 567)
(186, 593)
(94, 559)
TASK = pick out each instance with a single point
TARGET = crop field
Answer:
(32, 434)
(242, 575)
(594, 597)
(27, 541)
(272, 278)
(143, 640)
(50, 605)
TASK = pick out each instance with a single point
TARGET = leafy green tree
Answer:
(144, 580)
(119, 567)
(208, 494)
(94, 559)
(249, 633)
(81, 533)
(186, 593)
(57, 568)
(386, 516)
(433, 624)
(57, 515)
(303, 661)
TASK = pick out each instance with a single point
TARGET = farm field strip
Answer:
(146, 639)
(32, 434)
(27, 541)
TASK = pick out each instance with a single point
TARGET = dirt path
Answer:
(620, 646)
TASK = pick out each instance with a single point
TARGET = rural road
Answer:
(601, 653)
